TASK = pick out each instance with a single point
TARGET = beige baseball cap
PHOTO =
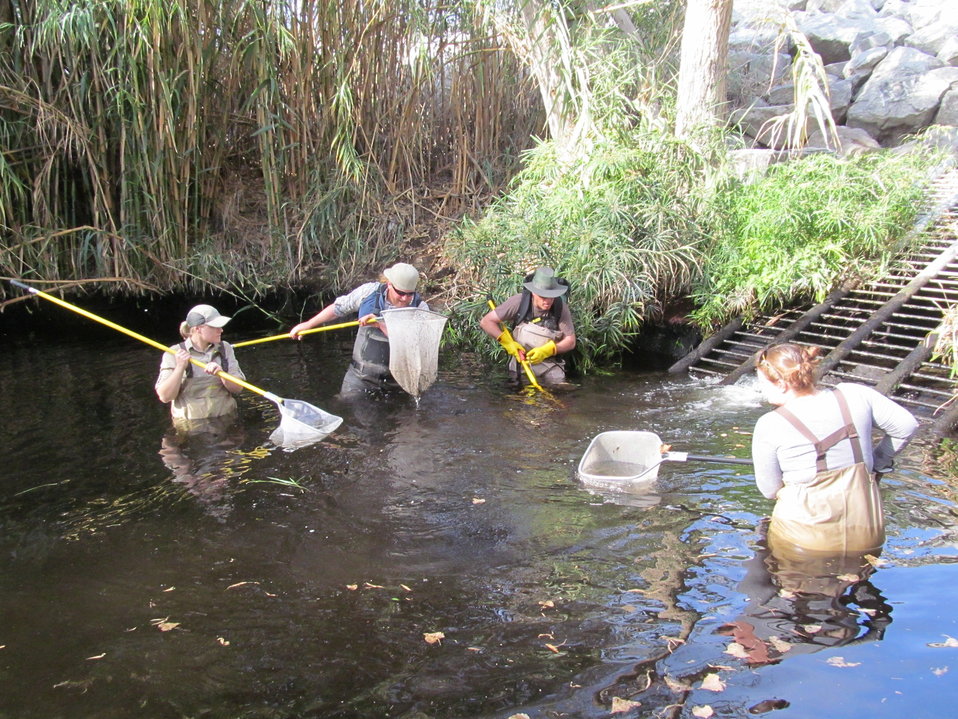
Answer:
(403, 277)
(205, 315)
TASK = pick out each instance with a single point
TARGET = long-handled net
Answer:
(414, 337)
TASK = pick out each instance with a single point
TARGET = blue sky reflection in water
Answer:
(461, 516)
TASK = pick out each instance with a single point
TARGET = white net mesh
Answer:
(414, 336)
(302, 424)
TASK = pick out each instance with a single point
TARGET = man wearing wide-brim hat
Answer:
(540, 323)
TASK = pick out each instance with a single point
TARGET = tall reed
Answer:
(175, 142)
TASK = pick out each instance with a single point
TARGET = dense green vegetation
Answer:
(794, 234)
(237, 146)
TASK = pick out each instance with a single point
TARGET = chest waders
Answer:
(202, 395)
(531, 331)
(369, 366)
(840, 510)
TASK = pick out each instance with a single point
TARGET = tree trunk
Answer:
(701, 93)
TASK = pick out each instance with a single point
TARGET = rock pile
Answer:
(891, 66)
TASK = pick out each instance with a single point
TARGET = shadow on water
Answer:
(438, 559)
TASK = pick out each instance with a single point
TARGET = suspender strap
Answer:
(822, 446)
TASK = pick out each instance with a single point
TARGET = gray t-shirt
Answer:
(782, 455)
(509, 309)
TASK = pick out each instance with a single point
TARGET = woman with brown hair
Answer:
(814, 454)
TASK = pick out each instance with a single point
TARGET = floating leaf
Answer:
(367, 585)
(478, 500)
(405, 587)
(352, 587)
(547, 604)
(620, 706)
(96, 656)
(703, 712)
(779, 644)
(223, 642)
(950, 642)
(519, 716)
(163, 624)
(554, 647)
(713, 683)
(767, 705)
(433, 637)
(736, 650)
(938, 671)
(240, 584)
(840, 662)
(169, 589)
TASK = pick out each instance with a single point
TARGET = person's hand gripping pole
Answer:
(515, 349)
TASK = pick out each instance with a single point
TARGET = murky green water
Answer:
(461, 516)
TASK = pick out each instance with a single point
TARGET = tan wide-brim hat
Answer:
(403, 277)
(544, 283)
(206, 315)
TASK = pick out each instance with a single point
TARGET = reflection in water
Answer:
(205, 459)
(801, 602)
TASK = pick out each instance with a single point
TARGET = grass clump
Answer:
(805, 227)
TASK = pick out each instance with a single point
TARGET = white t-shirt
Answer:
(782, 455)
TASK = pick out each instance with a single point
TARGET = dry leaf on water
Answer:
(736, 650)
(352, 587)
(554, 647)
(240, 584)
(478, 500)
(163, 624)
(840, 662)
(97, 656)
(547, 604)
(223, 642)
(713, 683)
(433, 637)
(703, 712)
(620, 706)
(938, 671)
(779, 644)
(949, 642)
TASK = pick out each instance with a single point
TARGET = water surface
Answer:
(141, 575)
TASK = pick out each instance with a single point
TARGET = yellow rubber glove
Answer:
(511, 346)
(537, 354)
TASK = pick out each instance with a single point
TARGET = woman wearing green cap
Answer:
(192, 394)
(369, 367)
(541, 325)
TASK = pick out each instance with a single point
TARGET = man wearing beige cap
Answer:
(369, 367)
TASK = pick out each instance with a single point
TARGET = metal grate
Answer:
(881, 334)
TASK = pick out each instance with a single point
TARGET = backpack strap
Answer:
(217, 352)
(848, 431)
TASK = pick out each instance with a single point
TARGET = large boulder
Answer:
(831, 35)
(948, 110)
(902, 96)
(851, 141)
